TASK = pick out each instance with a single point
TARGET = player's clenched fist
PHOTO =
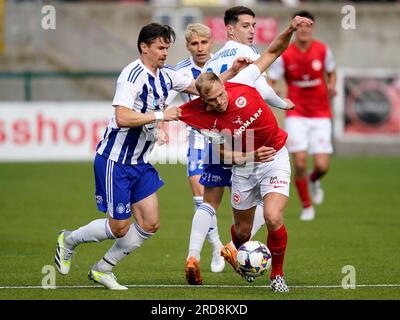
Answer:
(240, 63)
(172, 113)
(297, 21)
(289, 104)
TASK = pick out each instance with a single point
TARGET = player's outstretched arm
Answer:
(280, 43)
(127, 118)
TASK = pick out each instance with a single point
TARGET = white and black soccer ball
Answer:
(253, 258)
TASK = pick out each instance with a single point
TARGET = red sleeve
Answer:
(194, 114)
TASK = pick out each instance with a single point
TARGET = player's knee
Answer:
(273, 221)
(321, 168)
(120, 231)
(300, 168)
(151, 227)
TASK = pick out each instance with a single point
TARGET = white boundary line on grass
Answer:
(202, 286)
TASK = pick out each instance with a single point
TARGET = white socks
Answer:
(259, 220)
(99, 230)
(212, 234)
(202, 220)
(122, 247)
(197, 200)
(96, 231)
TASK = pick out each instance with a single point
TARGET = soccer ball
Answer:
(253, 258)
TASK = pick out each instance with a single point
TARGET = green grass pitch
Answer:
(357, 225)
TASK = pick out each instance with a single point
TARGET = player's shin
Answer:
(201, 223)
(302, 189)
(277, 242)
(122, 247)
(95, 231)
(238, 241)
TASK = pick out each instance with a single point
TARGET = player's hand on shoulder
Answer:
(241, 63)
(289, 104)
(297, 21)
(264, 154)
(172, 113)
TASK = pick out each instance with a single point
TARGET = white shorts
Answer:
(252, 182)
(309, 134)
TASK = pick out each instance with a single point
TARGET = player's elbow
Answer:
(121, 117)
(119, 122)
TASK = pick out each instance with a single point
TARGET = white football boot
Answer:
(217, 262)
(63, 256)
(307, 214)
(107, 279)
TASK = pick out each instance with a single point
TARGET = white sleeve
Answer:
(125, 94)
(329, 61)
(277, 69)
(268, 94)
(171, 97)
(179, 81)
(247, 76)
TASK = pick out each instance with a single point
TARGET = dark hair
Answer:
(154, 30)
(305, 14)
(232, 14)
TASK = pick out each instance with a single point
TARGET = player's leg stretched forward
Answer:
(240, 233)
(145, 226)
(203, 219)
(274, 204)
(129, 236)
(120, 190)
(217, 264)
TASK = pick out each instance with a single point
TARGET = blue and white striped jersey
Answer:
(188, 68)
(142, 91)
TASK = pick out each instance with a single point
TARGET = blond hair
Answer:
(199, 29)
(205, 82)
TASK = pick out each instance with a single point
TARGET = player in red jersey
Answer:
(250, 135)
(304, 65)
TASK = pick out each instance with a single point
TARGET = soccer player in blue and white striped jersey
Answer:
(125, 181)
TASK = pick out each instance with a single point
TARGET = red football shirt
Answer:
(246, 115)
(305, 77)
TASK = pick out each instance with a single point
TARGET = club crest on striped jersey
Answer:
(241, 102)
